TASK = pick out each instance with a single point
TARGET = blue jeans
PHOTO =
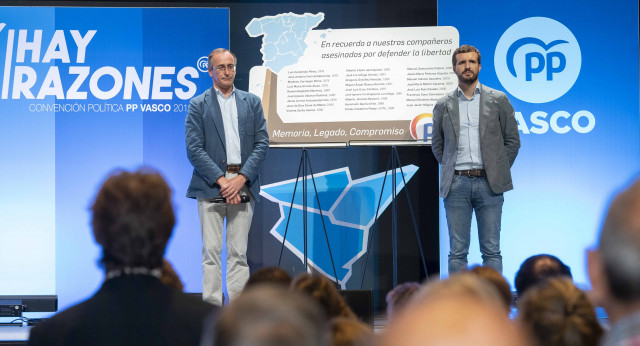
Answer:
(468, 195)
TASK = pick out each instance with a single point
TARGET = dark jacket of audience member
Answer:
(614, 268)
(537, 268)
(268, 315)
(557, 313)
(323, 291)
(132, 219)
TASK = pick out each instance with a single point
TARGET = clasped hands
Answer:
(229, 188)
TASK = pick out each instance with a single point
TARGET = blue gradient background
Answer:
(52, 164)
(563, 182)
(27, 173)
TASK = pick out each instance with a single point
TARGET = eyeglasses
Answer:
(221, 68)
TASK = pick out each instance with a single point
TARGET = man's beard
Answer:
(468, 80)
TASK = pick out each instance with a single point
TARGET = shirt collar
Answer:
(220, 94)
(475, 92)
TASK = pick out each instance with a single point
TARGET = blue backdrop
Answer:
(570, 69)
(57, 145)
(80, 117)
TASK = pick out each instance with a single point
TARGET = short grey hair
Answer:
(219, 51)
(620, 245)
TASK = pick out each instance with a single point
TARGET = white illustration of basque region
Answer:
(283, 37)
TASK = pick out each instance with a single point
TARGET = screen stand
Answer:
(303, 167)
(394, 163)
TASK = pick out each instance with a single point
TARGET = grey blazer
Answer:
(499, 138)
(206, 142)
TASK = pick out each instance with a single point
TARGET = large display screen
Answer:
(84, 91)
(570, 70)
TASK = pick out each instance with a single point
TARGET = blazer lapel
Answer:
(214, 106)
(243, 110)
(484, 99)
(454, 113)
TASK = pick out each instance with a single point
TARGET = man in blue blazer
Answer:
(227, 141)
(476, 140)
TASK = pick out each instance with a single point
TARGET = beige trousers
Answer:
(238, 222)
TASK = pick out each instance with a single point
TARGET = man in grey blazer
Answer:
(227, 140)
(476, 140)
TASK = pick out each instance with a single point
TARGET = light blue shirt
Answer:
(469, 151)
(229, 110)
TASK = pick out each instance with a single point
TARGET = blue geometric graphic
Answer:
(348, 209)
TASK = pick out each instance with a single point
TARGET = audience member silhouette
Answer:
(269, 275)
(170, 277)
(398, 297)
(537, 268)
(614, 268)
(141, 303)
(323, 291)
(557, 313)
(498, 281)
(462, 310)
(270, 315)
(132, 220)
(350, 332)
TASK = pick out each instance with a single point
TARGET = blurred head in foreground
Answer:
(324, 292)
(462, 310)
(269, 275)
(350, 332)
(614, 267)
(536, 269)
(556, 312)
(170, 277)
(498, 281)
(133, 220)
(398, 297)
(268, 315)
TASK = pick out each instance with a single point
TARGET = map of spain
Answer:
(283, 37)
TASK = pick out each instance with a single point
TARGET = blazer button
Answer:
(223, 161)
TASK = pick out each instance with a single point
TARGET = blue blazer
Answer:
(499, 138)
(205, 139)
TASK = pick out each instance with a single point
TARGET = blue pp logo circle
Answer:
(203, 64)
(537, 59)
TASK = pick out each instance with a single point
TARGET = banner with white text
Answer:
(570, 69)
(344, 85)
(83, 91)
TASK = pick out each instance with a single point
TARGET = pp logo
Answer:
(537, 59)
(203, 64)
(422, 126)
